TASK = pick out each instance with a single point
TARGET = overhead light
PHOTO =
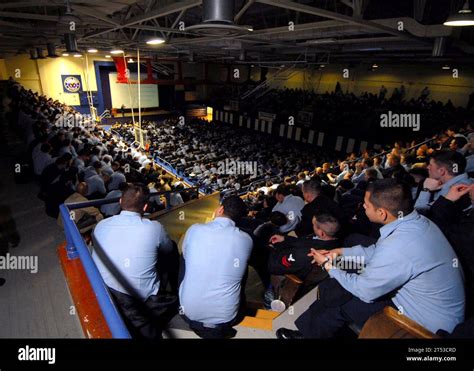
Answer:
(77, 55)
(92, 50)
(116, 51)
(65, 54)
(131, 60)
(155, 41)
(462, 18)
(108, 56)
(375, 65)
(445, 67)
(250, 28)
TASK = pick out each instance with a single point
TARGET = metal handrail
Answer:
(77, 248)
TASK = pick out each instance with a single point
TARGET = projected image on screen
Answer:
(127, 95)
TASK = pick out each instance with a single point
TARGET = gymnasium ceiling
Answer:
(348, 31)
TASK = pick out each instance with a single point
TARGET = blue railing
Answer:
(77, 249)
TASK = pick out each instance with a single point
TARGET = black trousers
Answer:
(220, 331)
(146, 320)
(335, 309)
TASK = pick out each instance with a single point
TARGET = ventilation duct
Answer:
(218, 11)
(218, 20)
(51, 50)
(71, 42)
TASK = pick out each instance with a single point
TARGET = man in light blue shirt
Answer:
(411, 267)
(127, 250)
(289, 205)
(446, 169)
(215, 256)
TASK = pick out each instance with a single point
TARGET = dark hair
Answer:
(391, 194)
(332, 224)
(460, 141)
(67, 157)
(122, 186)
(312, 186)
(346, 184)
(450, 160)
(135, 197)
(282, 189)
(97, 165)
(371, 173)
(278, 218)
(271, 201)
(234, 207)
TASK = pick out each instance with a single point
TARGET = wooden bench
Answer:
(389, 324)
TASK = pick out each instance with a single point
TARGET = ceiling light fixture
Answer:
(92, 50)
(155, 41)
(77, 55)
(116, 51)
(462, 18)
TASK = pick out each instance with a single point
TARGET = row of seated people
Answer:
(205, 152)
(239, 241)
(410, 265)
(81, 163)
(355, 114)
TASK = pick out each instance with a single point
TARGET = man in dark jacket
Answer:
(52, 172)
(291, 254)
(394, 166)
(457, 224)
(315, 202)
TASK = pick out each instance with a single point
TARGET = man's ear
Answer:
(382, 213)
(220, 211)
(145, 208)
(120, 201)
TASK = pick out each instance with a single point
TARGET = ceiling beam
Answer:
(157, 13)
(286, 4)
(94, 13)
(39, 17)
(243, 10)
(27, 4)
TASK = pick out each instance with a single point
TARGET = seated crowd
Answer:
(354, 115)
(384, 229)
